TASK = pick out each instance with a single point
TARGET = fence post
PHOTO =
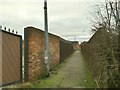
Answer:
(0, 57)
(26, 54)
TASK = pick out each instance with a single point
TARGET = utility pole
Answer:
(46, 61)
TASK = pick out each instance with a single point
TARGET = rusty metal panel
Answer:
(11, 58)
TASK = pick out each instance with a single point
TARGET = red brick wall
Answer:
(66, 49)
(34, 52)
(54, 48)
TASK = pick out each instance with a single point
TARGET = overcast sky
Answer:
(67, 18)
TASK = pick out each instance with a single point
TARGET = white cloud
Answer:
(65, 17)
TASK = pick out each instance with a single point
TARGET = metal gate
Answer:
(11, 58)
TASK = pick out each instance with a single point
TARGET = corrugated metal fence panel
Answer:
(11, 58)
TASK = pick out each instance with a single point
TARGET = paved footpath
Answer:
(73, 73)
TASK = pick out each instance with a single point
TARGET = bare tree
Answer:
(108, 18)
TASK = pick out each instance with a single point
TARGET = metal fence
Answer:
(11, 58)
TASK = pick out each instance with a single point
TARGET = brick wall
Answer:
(76, 45)
(34, 52)
(54, 48)
(66, 49)
(98, 52)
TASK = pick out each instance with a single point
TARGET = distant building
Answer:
(76, 45)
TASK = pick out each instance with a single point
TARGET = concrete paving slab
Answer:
(73, 73)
